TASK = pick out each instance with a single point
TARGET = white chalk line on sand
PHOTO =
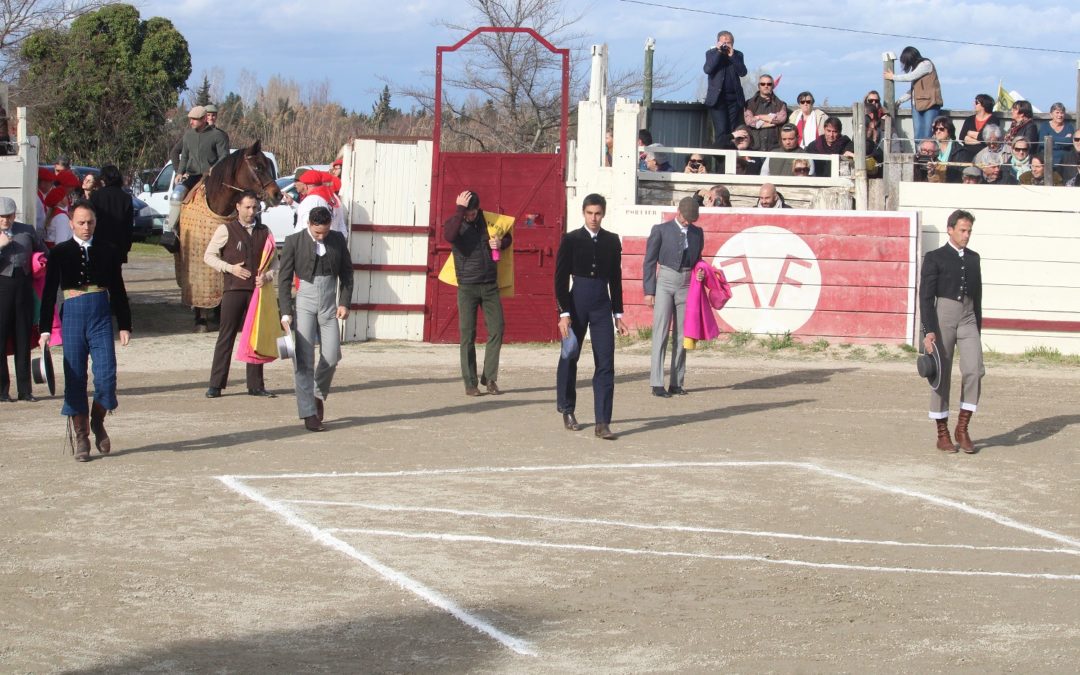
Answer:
(407, 583)
(501, 515)
(940, 501)
(477, 539)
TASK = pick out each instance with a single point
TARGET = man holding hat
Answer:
(319, 188)
(950, 301)
(89, 275)
(672, 250)
(320, 258)
(466, 232)
(201, 147)
(18, 243)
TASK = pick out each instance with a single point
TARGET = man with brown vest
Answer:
(236, 251)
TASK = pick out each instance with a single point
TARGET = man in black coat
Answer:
(18, 244)
(593, 258)
(115, 212)
(725, 99)
(950, 302)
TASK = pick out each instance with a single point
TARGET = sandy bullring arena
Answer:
(789, 515)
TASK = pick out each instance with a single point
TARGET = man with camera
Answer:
(725, 100)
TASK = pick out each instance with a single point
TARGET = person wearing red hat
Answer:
(319, 188)
(57, 223)
(46, 180)
(335, 168)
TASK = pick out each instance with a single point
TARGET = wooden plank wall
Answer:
(1029, 240)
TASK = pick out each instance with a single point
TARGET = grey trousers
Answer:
(669, 310)
(316, 319)
(959, 331)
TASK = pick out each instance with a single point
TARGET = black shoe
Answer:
(661, 392)
(312, 423)
(261, 392)
(5, 397)
(570, 422)
(213, 392)
(29, 398)
(677, 391)
(200, 327)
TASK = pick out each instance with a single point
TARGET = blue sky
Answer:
(358, 45)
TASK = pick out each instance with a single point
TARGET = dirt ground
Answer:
(786, 516)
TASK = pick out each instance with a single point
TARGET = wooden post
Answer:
(1048, 160)
(888, 98)
(1076, 110)
(858, 134)
(646, 99)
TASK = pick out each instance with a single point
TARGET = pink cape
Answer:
(246, 351)
(701, 299)
(37, 267)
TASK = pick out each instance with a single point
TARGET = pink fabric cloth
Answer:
(37, 270)
(703, 297)
(245, 352)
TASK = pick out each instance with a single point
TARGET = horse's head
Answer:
(259, 176)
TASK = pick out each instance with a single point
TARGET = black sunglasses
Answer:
(941, 128)
(807, 100)
(764, 84)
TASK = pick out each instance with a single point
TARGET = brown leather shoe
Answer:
(962, 437)
(570, 422)
(493, 388)
(944, 441)
(312, 423)
(97, 425)
(602, 431)
(80, 426)
(319, 409)
(472, 391)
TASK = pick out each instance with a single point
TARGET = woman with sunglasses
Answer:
(810, 121)
(971, 130)
(950, 153)
(925, 94)
(1020, 158)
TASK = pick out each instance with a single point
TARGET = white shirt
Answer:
(337, 214)
(59, 229)
(320, 246)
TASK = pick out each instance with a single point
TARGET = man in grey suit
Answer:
(18, 243)
(672, 251)
(320, 258)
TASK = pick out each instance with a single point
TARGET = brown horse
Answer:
(209, 204)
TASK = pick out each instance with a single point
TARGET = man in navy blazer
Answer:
(725, 99)
(672, 251)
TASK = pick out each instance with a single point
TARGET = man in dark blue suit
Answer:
(725, 99)
(593, 257)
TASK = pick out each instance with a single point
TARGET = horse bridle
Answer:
(255, 175)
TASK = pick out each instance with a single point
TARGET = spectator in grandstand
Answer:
(724, 98)
(925, 154)
(1070, 161)
(609, 143)
(789, 144)
(1058, 129)
(656, 160)
(696, 164)
(971, 176)
(808, 120)
(743, 141)
(831, 142)
(950, 154)
(877, 117)
(1023, 126)
(717, 195)
(925, 94)
(992, 153)
(971, 130)
(997, 174)
(769, 198)
(644, 138)
(801, 167)
(764, 114)
(1020, 157)
(1037, 174)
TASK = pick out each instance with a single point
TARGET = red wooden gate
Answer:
(529, 187)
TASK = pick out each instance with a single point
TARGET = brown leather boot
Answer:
(80, 424)
(962, 436)
(944, 442)
(97, 425)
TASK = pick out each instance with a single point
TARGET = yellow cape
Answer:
(498, 225)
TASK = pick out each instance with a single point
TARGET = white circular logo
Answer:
(775, 280)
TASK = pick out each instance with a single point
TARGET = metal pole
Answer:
(1048, 160)
(646, 99)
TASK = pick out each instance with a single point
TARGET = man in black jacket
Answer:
(477, 278)
(725, 99)
(593, 258)
(18, 244)
(320, 258)
(950, 301)
(115, 212)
